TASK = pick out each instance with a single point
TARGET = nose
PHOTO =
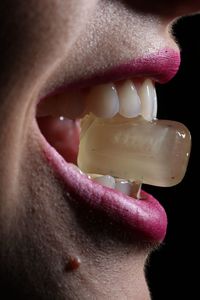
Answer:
(166, 8)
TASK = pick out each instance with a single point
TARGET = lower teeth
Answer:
(122, 185)
(131, 189)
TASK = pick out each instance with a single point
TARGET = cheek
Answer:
(71, 17)
(31, 33)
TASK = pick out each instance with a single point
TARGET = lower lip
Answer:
(145, 218)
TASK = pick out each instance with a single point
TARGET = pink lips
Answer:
(160, 67)
(146, 218)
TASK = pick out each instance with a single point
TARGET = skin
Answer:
(43, 235)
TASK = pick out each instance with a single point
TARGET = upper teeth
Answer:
(148, 97)
(105, 101)
(120, 136)
(130, 103)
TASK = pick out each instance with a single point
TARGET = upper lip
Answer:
(160, 66)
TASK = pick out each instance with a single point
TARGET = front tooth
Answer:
(106, 180)
(148, 97)
(136, 189)
(123, 186)
(103, 101)
(129, 101)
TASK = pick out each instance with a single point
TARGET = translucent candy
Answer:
(154, 152)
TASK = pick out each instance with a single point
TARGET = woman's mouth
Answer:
(105, 141)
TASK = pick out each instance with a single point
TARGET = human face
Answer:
(52, 217)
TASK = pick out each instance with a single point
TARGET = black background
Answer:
(170, 271)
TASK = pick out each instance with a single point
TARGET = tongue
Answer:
(63, 135)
